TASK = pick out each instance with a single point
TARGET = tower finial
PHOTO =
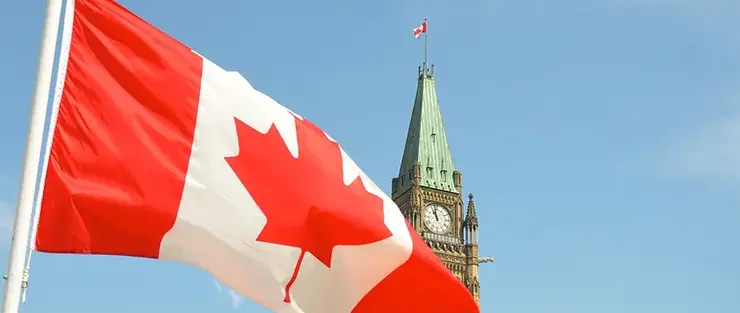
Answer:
(471, 223)
(471, 209)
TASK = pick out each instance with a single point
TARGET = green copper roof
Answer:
(426, 142)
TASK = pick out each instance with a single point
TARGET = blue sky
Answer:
(601, 138)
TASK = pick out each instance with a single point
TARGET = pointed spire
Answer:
(470, 215)
(471, 223)
(426, 141)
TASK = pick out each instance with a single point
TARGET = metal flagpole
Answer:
(426, 39)
(31, 160)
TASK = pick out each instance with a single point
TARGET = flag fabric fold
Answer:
(422, 29)
(157, 152)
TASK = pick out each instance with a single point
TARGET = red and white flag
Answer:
(157, 152)
(422, 29)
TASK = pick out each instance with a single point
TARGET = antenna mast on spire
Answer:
(422, 30)
(426, 44)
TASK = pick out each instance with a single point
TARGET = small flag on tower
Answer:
(422, 29)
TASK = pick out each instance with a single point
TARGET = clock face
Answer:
(437, 218)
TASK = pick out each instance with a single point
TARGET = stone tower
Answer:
(429, 190)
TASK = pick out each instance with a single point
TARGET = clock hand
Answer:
(435, 215)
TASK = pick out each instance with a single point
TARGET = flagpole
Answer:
(426, 39)
(24, 211)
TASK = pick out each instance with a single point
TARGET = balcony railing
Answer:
(441, 238)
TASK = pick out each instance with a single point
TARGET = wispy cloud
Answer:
(713, 15)
(712, 152)
(7, 216)
(236, 299)
(218, 286)
(716, 18)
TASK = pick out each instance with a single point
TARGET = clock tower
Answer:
(429, 190)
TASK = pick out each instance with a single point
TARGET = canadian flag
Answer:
(422, 29)
(157, 152)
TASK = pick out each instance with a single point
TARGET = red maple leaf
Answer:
(305, 200)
